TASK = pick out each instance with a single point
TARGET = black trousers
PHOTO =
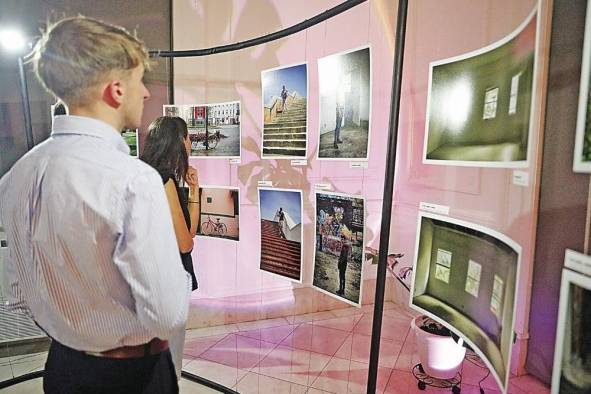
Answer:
(69, 371)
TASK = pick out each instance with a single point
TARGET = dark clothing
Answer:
(86, 374)
(186, 258)
(338, 122)
(344, 256)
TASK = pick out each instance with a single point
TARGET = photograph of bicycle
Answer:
(219, 212)
(214, 129)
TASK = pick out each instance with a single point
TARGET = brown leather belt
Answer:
(155, 346)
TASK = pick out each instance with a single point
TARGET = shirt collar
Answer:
(80, 125)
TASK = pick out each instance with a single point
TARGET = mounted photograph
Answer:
(345, 105)
(338, 255)
(220, 212)
(479, 104)
(281, 232)
(285, 119)
(131, 139)
(214, 129)
(572, 354)
(465, 277)
(582, 154)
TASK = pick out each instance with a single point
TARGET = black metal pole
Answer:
(170, 60)
(387, 201)
(26, 106)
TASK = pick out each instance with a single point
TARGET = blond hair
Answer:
(75, 54)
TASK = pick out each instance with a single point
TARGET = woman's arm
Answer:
(194, 199)
(183, 236)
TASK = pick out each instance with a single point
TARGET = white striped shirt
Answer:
(92, 251)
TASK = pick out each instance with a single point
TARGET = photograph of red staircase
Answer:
(279, 255)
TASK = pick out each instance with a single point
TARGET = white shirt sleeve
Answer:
(148, 258)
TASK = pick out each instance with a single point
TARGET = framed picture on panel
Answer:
(572, 355)
(582, 155)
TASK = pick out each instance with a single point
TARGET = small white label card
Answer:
(235, 160)
(435, 208)
(520, 178)
(265, 183)
(577, 261)
(322, 186)
(299, 162)
(358, 164)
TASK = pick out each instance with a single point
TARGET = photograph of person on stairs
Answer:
(285, 100)
(281, 232)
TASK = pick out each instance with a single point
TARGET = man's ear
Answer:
(113, 93)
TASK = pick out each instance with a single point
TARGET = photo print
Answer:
(214, 129)
(479, 104)
(220, 212)
(131, 139)
(465, 277)
(285, 102)
(345, 105)
(338, 255)
(281, 232)
(582, 155)
(572, 355)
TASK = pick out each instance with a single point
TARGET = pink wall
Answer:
(436, 30)
(224, 268)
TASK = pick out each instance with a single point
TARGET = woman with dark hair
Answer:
(167, 148)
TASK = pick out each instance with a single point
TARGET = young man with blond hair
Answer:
(92, 253)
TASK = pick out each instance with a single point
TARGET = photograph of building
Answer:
(281, 232)
(131, 139)
(220, 212)
(214, 129)
(345, 105)
(479, 104)
(465, 277)
(572, 357)
(285, 103)
(338, 254)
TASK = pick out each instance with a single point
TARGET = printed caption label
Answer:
(323, 186)
(265, 183)
(235, 161)
(435, 208)
(358, 164)
(299, 162)
(577, 261)
(520, 178)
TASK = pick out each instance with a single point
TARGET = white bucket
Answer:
(440, 356)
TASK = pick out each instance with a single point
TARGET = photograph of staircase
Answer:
(285, 112)
(281, 232)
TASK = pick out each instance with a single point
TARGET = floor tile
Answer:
(194, 347)
(211, 331)
(344, 323)
(219, 373)
(309, 317)
(238, 352)
(357, 348)
(346, 376)
(257, 324)
(292, 365)
(316, 339)
(254, 383)
(530, 384)
(392, 328)
(271, 334)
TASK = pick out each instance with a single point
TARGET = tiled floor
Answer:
(325, 352)
(318, 353)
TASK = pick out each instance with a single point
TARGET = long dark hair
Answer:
(164, 148)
